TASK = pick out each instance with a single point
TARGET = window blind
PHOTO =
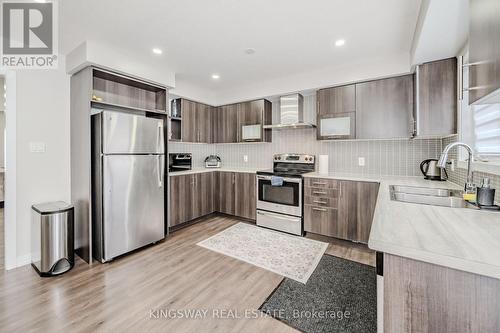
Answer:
(487, 129)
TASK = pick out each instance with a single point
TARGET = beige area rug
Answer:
(291, 256)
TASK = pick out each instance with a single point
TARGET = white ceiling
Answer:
(200, 37)
(443, 29)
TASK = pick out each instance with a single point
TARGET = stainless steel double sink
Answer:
(429, 196)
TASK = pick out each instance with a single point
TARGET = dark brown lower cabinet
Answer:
(245, 196)
(196, 195)
(181, 195)
(191, 196)
(345, 212)
(321, 221)
(236, 194)
(204, 194)
(225, 190)
(422, 297)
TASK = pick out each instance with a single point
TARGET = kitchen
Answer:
(353, 194)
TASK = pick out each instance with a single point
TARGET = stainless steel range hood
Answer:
(291, 113)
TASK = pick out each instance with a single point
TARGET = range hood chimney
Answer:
(291, 113)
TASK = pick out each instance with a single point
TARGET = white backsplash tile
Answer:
(382, 157)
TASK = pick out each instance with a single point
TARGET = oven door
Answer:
(285, 199)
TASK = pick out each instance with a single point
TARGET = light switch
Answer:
(361, 161)
(37, 147)
(245, 158)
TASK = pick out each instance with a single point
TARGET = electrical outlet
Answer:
(245, 158)
(361, 161)
(37, 147)
(452, 167)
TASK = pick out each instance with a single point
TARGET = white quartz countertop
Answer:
(202, 170)
(460, 238)
(344, 176)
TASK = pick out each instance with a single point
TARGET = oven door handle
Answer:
(288, 180)
(277, 216)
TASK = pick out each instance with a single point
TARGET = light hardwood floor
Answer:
(173, 275)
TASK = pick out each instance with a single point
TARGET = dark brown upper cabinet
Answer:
(336, 113)
(484, 52)
(225, 124)
(116, 90)
(252, 116)
(436, 108)
(336, 100)
(240, 122)
(243, 122)
(189, 130)
(384, 108)
(196, 122)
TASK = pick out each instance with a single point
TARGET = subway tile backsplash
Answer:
(382, 157)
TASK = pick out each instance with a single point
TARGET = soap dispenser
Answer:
(486, 194)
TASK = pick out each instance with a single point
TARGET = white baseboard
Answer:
(21, 261)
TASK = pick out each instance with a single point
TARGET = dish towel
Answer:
(276, 181)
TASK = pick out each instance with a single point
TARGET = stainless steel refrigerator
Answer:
(128, 196)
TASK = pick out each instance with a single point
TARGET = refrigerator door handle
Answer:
(160, 168)
(159, 139)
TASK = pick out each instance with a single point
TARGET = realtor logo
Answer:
(28, 34)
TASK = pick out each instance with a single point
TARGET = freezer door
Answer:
(133, 202)
(124, 133)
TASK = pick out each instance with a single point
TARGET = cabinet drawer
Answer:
(328, 202)
(321, 183)
(321, 192)
(322, 221)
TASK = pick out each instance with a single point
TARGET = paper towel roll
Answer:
(323, 164)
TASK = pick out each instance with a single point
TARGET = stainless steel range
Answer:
(280, 192)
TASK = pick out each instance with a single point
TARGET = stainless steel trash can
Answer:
(52, 238)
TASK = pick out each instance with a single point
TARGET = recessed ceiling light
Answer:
(340, 42)
(157, 51)
(250, 51)
(215, 76)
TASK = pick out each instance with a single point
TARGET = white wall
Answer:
(442, 29)
(2, 139)
(2, 122)
(125, 61)
(186, 89)
(42, 115)
(374, 68)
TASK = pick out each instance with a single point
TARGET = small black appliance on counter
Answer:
(179, 162)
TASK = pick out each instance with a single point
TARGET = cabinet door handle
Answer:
(340, 194)
(320, 202)
(475, 63)
(319, 209)
(475, 88)
(318, 183)
(317, 192)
